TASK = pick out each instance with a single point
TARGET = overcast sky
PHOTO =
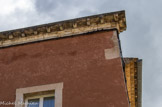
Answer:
(142, 38)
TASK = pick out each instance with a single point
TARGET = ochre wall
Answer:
(79, 62)
(133, 73)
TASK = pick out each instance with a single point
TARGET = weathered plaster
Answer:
(113, 52)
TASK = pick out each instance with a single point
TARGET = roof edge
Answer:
(106, 21)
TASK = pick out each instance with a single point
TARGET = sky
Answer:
(142, 38)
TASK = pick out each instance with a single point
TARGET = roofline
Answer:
(113, 20)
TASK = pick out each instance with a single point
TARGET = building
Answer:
(72, 63)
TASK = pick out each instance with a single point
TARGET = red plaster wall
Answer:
(79, 62)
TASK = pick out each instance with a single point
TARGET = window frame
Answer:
(57, 87)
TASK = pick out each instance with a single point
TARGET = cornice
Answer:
(114, 20)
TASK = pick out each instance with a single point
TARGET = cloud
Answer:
(9, 6)
(142, 38)
(15, 14)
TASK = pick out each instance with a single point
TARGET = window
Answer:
(40, 96)
(40, 101)
(32, 103)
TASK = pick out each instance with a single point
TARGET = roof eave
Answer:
(114, 20)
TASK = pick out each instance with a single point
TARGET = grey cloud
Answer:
(46, 6)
